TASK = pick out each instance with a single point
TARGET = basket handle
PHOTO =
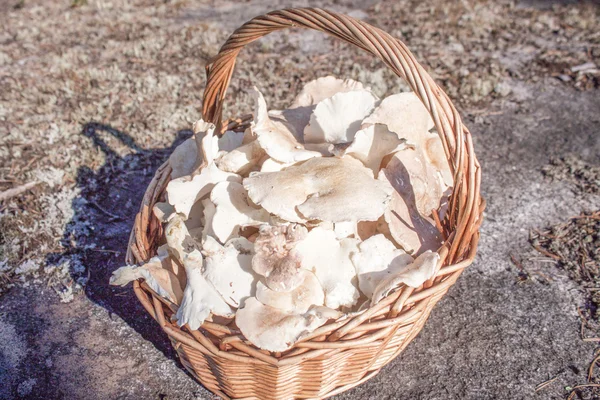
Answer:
(373, 40)
(455, 137)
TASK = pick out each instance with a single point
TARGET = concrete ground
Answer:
(493, 336)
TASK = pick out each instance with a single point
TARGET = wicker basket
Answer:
(343, 354)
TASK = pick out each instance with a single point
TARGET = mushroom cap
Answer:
(160, 279)
(297, 300)
(278, 142)
(372, 143)
(377, 259)
(413, 275)
(271, 165)
(323, 88)
(241, 159)
(207, 143)
(181, 245)
(297, 117)
(195, 219)
(329, 189)
(163, 211)
(409, 228)
(329, 259)
(273, 329)
(415, 180)
(405, 115)
(234, 210)
(184, 160)
(229, 269)
(200, 299)
(230, 141)
(346, 229)
(209, 210)
(183, 192)
(337, 119)
(276, 258)
(292, 120)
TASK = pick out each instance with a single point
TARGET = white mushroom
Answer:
(183, 192)
(278, 143)
(200, 298)
(297, 300)
(272, 329)
(200, 150)
(209, 211)
(329, 259)
(323, 88)
(195, 219)
(157, 274)
(292, 120)
(345, 229)
(372, 143)
(416, 179)
(242, 159)
(329, 189)
(184, 160)
(276, 257)
(377, 259)
(410, 228)
(163, 211)
(233, 210)
(270, 165)
(207, 144)
(413, 275)
(230, 141)
(297, 117)
(337, 119)
(405, 115)
(229, 269)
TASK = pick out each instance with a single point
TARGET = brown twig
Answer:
(592, 365)
(574, 391)
(582, 330)
(546, 253)
(545, 384)
(517, 263)
(10, 193)
(591, 216)
(114, 217)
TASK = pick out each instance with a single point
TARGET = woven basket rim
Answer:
(399, 309)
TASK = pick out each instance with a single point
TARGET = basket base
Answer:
(318, 378)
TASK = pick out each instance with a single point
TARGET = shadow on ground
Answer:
(95, 240)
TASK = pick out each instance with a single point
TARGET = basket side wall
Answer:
(321, 377)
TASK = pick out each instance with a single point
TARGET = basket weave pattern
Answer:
(341, 354)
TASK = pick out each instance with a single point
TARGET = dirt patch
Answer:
(575, 248)
(571, 168)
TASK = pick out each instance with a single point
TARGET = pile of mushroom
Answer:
(313, 213)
